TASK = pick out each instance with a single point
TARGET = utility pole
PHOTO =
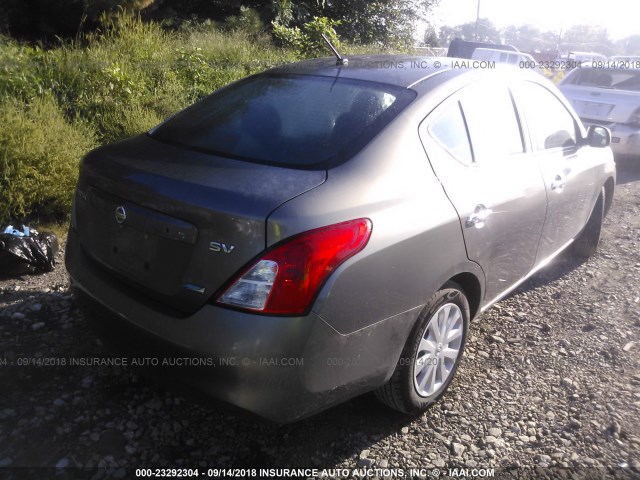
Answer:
(477, 20)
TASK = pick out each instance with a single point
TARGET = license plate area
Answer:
(146, 246)
(593, 109)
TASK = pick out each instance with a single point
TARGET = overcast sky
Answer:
(620, 17)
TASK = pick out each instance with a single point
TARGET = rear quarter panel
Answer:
(416, 243)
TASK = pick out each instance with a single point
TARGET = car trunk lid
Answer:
(604, 105)
(174, 223)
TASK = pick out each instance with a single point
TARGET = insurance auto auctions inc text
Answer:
(364, 473)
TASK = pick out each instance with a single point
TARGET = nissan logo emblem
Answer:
(121, 214)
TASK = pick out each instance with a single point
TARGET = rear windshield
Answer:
(299, 120)
(607, 78)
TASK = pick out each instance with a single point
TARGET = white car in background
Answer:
(609, 97)
(503, 56)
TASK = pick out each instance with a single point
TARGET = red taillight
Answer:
(286, 279)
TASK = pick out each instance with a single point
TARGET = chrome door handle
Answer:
(479, 217)
(558, 183)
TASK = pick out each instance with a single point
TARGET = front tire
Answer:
(431, 355)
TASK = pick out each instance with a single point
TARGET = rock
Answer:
(37, 326)
(7, 413)
(62, 463)
(384, 463)
(364, 454)
(566, 382)
(495, 432)
(36, 307)
(490, 439)
(628, 346)
(5, 462)
(544, 459)
(404, 430)
(457, 449)
(497, 339)
(87, 381)
(364, 462)
(18, 316)
(58, 402)
(575, 423)
(439, 463)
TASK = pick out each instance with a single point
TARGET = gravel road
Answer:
(550, 379)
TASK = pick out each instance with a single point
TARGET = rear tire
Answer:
(586, 243)
(431, 355)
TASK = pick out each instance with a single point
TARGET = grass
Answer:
(58, 103)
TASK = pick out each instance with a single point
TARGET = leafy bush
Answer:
(248, 21)
(308, 42)
(39, 154)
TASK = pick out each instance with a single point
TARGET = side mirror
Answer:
(598, 137)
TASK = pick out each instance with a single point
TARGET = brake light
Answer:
(286, 278)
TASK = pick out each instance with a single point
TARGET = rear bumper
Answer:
(281, 368)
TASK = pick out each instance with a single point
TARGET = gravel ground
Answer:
(550, 379)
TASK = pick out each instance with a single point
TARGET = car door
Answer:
(476, 148)
(567, 168)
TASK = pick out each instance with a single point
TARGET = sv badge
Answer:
(221, 247)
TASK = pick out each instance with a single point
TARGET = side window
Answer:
(449, 130)
(493, 126)
(503, 57)
(550, 123)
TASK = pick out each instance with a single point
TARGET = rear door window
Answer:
(550, 123)
(493, 126)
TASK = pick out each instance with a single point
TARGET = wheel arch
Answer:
(472, 289)
(609, 187)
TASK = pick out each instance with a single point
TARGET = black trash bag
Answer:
(22, 255)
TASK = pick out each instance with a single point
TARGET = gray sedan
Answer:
(323, 230)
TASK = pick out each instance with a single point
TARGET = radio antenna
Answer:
(340, 59)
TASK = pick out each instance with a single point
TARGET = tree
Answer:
(35, 19)
(585, 37)
(430, 37)
(528, 38)
(386, 22)
(631, 45)
(487, 32)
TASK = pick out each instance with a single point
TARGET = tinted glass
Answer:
(299, 121)
(491, 118)
(607, 78)
(550, 123)
(449, 130)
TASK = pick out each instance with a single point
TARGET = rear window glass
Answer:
(299, 120)
(607, 78)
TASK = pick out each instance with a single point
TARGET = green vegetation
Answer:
(39, 152)
(57, 104)
(127, 75)
(96, 71)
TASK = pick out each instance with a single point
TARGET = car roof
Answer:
(399, 70)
